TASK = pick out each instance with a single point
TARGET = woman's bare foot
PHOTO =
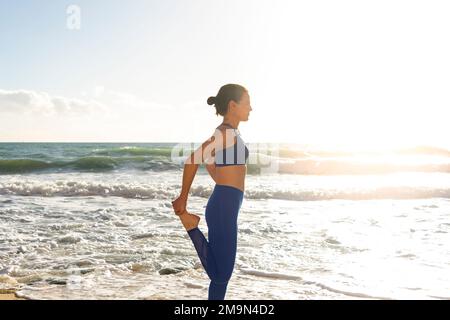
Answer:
(189, 220)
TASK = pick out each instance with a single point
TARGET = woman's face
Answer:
(242, 109)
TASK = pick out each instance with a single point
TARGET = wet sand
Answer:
(9, 296)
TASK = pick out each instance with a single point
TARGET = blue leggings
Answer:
(218, 253)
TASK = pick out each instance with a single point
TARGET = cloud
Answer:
(100, 114)
(42, 103)
(110, 103)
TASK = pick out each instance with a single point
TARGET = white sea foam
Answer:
(64, 237)
(274, 189)
(273, 275)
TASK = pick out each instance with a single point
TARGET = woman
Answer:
(226, 163)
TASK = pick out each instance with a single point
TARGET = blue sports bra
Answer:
(224, 155)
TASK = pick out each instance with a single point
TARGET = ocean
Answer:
(94, 221)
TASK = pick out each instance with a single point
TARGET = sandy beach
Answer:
(9, 296)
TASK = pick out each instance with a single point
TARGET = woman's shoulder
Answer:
(226, 130)
(227, 134)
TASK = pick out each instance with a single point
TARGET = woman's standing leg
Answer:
(218, 254)
(222, 235)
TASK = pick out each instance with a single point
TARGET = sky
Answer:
(345, 74)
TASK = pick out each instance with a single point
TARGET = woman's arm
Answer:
(190, 169)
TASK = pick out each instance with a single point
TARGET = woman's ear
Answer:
(231, 104)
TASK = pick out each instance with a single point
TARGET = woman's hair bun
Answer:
(211, 100)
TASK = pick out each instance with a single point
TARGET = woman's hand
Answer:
(179, 205)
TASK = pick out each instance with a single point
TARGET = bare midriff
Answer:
(233, 176)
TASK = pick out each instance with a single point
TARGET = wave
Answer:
(91, 164)
(169, 192)
(16, 158)
(309, 151)
(400, 192)
(322, 166)
(133, 150)
(23, 165)
(283, 276)
(281, 166)
(345, 292)
(80, 188)
(272, 275)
